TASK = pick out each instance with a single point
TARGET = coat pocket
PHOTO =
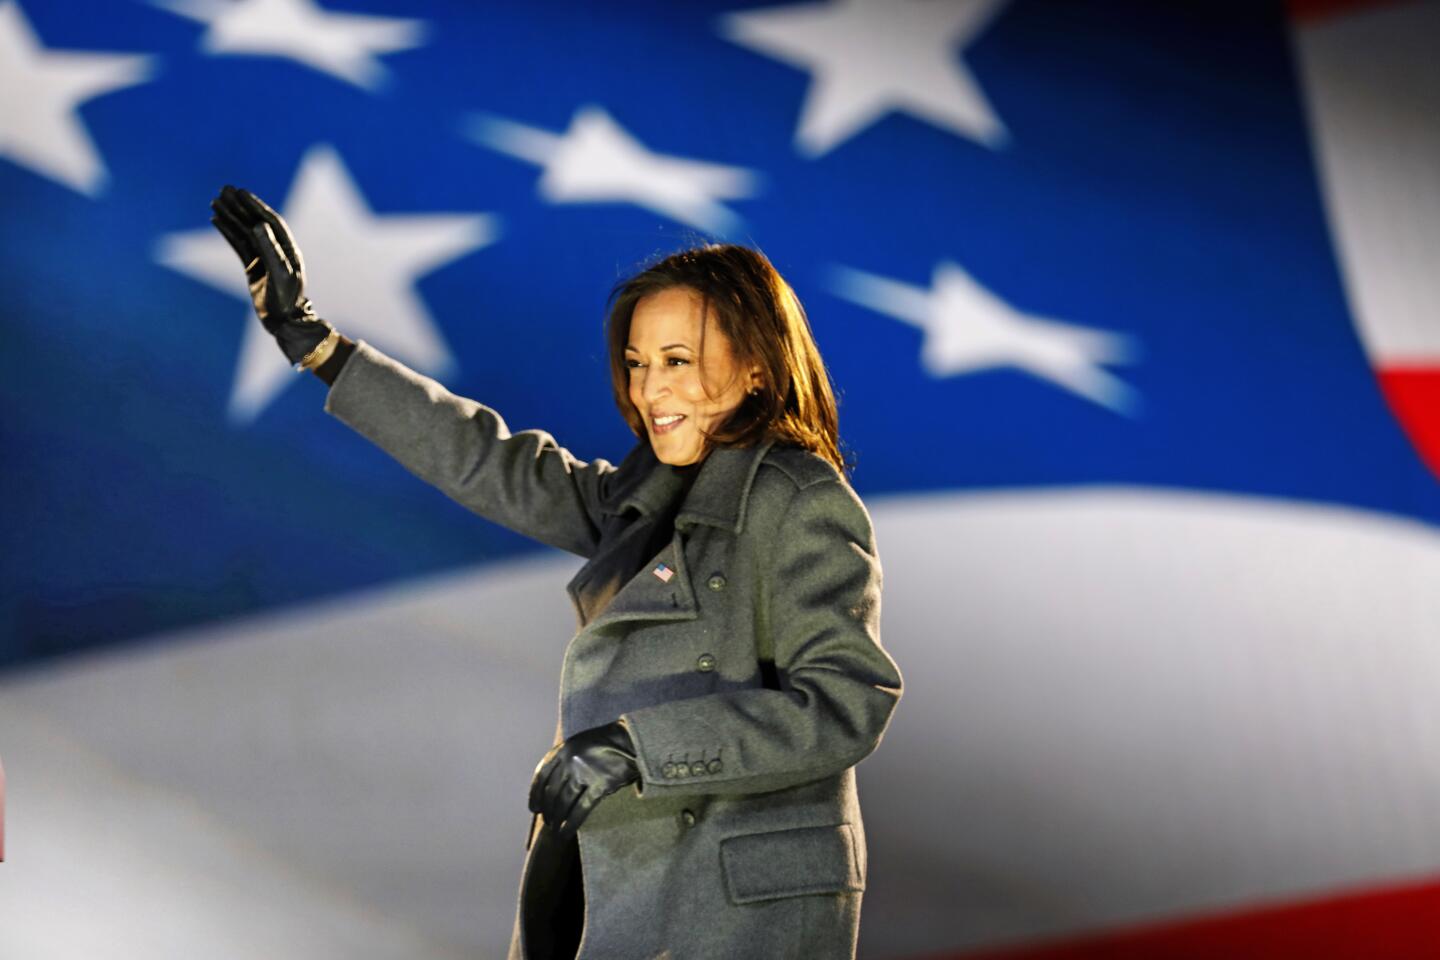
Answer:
(788, 863)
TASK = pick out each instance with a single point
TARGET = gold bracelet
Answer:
(321, 353)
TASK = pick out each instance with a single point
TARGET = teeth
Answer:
(665, 421)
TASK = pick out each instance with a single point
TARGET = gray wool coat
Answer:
(751, 677)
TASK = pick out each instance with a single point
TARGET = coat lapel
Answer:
(721, 491)
(716, 498)
(660, 591)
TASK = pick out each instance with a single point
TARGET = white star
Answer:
(967, 328)
(344, 45)
(40, 90)
(597, 161)
(360, 272)
(869, 57)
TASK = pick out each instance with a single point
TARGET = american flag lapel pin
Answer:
(663, 572)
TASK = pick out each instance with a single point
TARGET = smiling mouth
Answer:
(662, 425)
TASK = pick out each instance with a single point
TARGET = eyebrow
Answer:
(631, 346)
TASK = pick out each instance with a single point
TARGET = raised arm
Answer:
(524, 481)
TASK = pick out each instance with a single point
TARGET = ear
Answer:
(756, 380)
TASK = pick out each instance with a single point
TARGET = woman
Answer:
(727, 676)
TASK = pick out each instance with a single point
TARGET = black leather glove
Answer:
(577, 774)
(274, 269)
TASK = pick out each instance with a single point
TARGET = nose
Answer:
(652, 385)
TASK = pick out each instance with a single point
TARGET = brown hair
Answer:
(762, 318)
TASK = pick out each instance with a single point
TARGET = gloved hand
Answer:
(273, 268)
(577, 774)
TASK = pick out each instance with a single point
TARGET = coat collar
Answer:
(717, 497)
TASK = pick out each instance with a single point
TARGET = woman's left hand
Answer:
(577, 774)
(274, 270)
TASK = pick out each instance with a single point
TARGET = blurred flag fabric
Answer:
(1131, 308)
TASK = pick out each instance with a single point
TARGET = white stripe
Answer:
(1120, 705)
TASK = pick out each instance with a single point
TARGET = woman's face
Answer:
(669, 377)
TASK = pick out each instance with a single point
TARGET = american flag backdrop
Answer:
(1131, 311)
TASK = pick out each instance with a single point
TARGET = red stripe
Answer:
(1414, 396)
(1310, 10)
(1401, 923)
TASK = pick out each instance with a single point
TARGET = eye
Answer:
(676, 360)
(633, 364)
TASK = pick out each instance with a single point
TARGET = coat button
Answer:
(716, 581)
(715, 766)
(687, 818)
(706, 663)
(668, 771)
(697, 769)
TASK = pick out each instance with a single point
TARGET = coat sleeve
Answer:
(524, 481)
(838, 689)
